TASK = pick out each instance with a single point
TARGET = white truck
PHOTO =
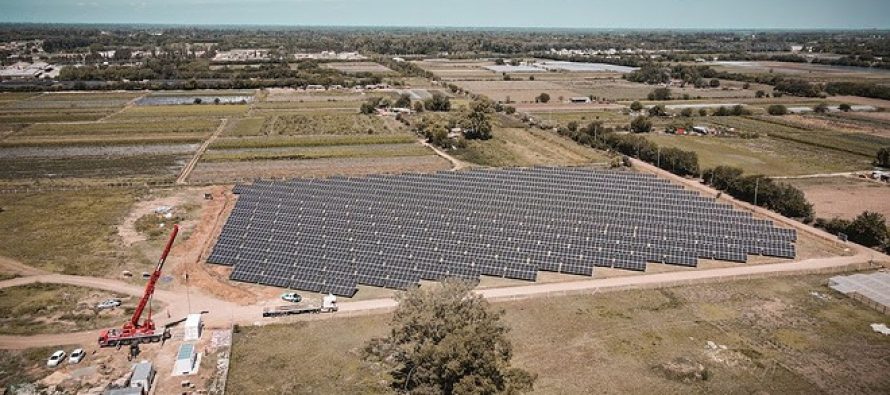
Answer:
(328, 305)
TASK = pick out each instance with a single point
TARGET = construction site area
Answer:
(203, 241)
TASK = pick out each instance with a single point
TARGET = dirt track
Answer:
(222, 313)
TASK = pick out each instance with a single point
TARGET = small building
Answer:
(580, 100)
(143, 376)
(193, 327)
(185, 360)
(125, 391)
(703, 130)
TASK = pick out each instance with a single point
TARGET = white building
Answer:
(193, 328)
(185, 360)
(143, 376)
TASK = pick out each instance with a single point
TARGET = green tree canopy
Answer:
(446, 340)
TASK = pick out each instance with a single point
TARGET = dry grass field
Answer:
(518, 91)
(222, 172)
(521, 147)
(788, 335)
(844, 197)
(53, 308)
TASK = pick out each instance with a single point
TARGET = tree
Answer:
(641, 124)
(370, 105)
(714, 83)
(739, 110)
(658, 110)
(722, 112)
(746, 85)
(418, 107)
(760, 94)
(446, 340)
(869, 229)
(777, 109)
(404, 101)
(636, 106)
(686, 112)
(197, 100)
(438, 102)
(572, 126)
(660, 94)
(882, 158)
(499, 61)
(510, 110)
(820, 108)
(845, 107)
(216, 100)
(703, 112)
(543, 98)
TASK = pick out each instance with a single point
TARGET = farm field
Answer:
(220, 172)
(359, 67)
(141, 113)
(517, 91)
(62, 107)
(812, 72)
(629, 91)
(318, 152)
(521, 147)
(844, 197)
(324, 123)
(788, 335)
(764, 155)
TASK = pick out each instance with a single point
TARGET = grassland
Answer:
(25, 366)
(114, 128)
(54, 308)
(65, 231)
(521, 147)
(778, 338)
(764, 155)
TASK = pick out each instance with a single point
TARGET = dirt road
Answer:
(223, 313)
(187, 170)
(456, 164)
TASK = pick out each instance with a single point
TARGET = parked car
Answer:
(291, 297)
(108, 304)
(76, 356)
(55, 359)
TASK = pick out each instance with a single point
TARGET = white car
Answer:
(76, 356)
(55, 359)
(291, 297)
(108, 304)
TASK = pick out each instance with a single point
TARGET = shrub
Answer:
(777, 109)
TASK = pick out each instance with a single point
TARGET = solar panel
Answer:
(329, 235)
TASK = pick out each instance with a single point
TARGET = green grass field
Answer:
(324, 123)
(764, 155)
(778, 338)
(70, 232)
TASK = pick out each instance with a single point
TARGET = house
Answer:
(580, 100)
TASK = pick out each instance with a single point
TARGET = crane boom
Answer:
(150, 286)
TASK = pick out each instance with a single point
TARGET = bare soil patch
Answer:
(844, 197)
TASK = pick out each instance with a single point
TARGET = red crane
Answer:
(134, 332)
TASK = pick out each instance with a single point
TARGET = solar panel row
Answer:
(328, 235)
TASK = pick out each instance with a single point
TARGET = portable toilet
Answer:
(193, 328)
(185, 360)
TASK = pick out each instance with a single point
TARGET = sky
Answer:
(597, 14)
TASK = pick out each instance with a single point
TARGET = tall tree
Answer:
(446, 340)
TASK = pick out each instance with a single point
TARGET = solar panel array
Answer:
(329, 235)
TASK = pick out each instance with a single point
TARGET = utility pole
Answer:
(756, 186)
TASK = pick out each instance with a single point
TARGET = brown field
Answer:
(844, 197)
(517, 91)
(784, 335)
(236, 171)
(626, 91)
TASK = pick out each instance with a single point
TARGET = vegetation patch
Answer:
(54, 308)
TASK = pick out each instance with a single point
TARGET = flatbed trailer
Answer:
(329, 305)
